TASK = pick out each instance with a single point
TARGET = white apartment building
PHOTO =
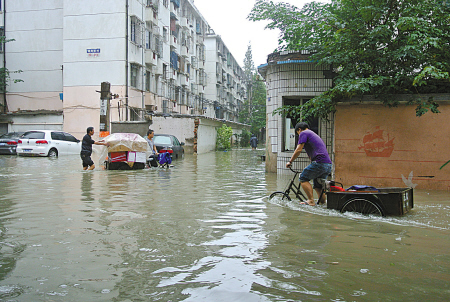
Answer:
(225, 79)
(152, 52)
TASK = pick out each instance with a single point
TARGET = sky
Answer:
(228, 18)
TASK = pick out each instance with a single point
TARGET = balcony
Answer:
(184, 22)
(150, 15)
(151, 58)
(184, 51)
(184, 80)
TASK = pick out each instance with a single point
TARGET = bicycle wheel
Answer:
(280, 195)
(363, 206)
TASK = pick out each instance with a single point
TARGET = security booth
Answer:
(293, 79)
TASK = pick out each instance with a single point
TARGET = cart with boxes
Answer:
(126, 151)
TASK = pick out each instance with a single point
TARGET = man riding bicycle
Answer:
(320, 166)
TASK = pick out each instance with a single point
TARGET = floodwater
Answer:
(205, 230)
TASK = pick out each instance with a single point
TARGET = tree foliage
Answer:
(376, 47)
(224, 135)
(5, 74)
(254, 109)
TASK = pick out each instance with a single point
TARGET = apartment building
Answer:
(225, 79)
(152, 52)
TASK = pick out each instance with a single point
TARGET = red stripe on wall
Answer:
(417, 161)
(414, 178)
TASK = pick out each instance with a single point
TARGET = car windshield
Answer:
(34, 135)
(162, 140)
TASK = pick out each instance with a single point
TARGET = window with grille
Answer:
(136, 30)
(134, 75)
(148, 77)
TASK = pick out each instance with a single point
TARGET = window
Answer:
(148, 39)
(135, 114)
(148, 77)
(165, 106)
(164, 71)
(59, 136)
(162, 140)
(158, 45)
(134, 75)
(290, 138)
(34, 135)
(166, 3)
(133, 29)
(136, 30)
(2, 34)
(70, 138)
(165, 34)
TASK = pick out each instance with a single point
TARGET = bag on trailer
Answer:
(164, 158)
(362, 188)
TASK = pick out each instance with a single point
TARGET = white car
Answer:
(47, 143)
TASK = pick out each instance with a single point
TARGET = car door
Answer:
(73, 144)
(58, 141)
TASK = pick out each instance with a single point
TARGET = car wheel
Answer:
(52, 153)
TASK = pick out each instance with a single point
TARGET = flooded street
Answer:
(205, 230)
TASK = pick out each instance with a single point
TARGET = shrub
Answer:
(224, 134)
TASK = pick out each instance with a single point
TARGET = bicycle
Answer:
(296, 189)
(364, 202)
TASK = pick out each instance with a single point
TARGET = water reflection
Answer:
(204, 230)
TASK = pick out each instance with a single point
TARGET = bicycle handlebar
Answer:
(295, 171)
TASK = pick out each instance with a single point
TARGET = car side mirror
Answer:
(78, 140)
(182, 144)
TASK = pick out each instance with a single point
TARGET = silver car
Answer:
(8, 142)
(47, 143)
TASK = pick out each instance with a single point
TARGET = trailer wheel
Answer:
(281, 195)
(362, 205)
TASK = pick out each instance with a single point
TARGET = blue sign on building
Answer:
(93, 50)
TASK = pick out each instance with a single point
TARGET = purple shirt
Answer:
(314, 146)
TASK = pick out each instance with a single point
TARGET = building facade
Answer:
(225, 79)
(152, 52)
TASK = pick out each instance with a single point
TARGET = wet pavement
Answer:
(205, 230)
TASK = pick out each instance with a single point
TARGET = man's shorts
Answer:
(315, 170)
(86, 158)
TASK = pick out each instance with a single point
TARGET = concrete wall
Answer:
(37, 122)
(181, 127)
(140, 128)
(419, 147)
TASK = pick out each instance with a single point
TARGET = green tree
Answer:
(376, 47)
(223, 141)
(254, 109)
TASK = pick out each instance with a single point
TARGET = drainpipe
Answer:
(126, 61)
(4, 110)
(144, 71)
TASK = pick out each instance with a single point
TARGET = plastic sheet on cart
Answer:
(124, 142)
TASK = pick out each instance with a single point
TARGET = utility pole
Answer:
(105, 97)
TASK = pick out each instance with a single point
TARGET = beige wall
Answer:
(420, 146)
(34, 101)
